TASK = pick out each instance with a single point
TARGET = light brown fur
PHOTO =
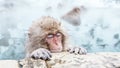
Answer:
(38, 32)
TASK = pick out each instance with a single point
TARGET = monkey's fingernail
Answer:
(41, 58)
(78, 52)
(48, 59)
(68, 50)
(50, 55)
(33, 57)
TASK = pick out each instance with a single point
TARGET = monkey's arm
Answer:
(37, 52)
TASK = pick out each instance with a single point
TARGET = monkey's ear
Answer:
(29, 34)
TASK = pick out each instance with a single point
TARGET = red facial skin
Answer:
(54, 42)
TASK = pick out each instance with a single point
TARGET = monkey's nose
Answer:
(55, 39)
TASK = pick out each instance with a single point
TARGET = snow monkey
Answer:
(46, 36)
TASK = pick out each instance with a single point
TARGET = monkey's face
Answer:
(54, 42)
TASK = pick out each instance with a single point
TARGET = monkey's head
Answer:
(50, 34)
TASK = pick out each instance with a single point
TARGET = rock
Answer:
(9, 64)
(67, 60)
(73, 16)
(31, 63)
(99, 60)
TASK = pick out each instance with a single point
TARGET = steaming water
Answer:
(99, 30)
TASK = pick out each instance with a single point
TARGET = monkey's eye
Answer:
(58, 34)
(50, 36)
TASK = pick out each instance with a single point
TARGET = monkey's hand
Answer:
(77, 50)
(41, 53)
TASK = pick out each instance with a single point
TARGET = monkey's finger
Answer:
(72, 50)
(45, 51)
(83, 51)
(43, 57)
(47, 55)
(38, 56)
(77, 50)
(34, 55)
(68, 49)
(80, 52)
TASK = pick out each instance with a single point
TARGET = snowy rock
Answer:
(67, 60)
(30, 63)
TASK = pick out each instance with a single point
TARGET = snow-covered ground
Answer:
(99, 29)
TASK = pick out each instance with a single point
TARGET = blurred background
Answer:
(93, 24)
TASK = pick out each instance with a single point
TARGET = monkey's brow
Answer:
(50, 33)
(53, 33)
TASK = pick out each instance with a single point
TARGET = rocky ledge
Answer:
(67, 60)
